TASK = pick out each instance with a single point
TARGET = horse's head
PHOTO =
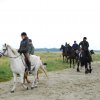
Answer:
(6, 48)
(92, 52)
(62, 47)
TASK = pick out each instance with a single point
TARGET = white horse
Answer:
(18, 65)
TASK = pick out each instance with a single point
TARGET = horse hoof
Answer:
(27, 88)
(28, 82)
(12, 91)
(36, 86)
(78, 70)
(86, 72)
(90, 70)
(32, 88)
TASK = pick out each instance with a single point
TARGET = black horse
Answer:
(85, 60)
(71, 55)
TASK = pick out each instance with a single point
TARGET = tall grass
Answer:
(5, 72)
(53, 60)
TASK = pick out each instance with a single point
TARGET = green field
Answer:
(54, 61)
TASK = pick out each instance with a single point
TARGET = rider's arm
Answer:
(88, 44)
(19, 50)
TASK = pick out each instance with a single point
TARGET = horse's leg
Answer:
(78, 64)
(67, 59)
(90, 69)
(22, 81)
(86, 68)
(70, 62)
(14, 85)
(73, 64)
(63, 58)
(26, 77)
(38, 76)
(34, 84)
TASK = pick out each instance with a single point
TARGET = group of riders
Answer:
(27, 48)
(79, 52)
(82, 47)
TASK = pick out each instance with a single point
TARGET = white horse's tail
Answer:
(43, 67)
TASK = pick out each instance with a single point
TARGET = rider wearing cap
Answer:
(24, 49)
(84, 44)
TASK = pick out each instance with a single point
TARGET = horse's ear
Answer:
(5, 44)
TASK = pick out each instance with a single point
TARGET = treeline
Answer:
(47, 50)
(52, 50)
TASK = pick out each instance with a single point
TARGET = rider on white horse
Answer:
(18, 65)
(24, 49)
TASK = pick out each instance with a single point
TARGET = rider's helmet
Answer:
(23, 34)
(85, 38)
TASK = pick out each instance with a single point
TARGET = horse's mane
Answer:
(13, 50)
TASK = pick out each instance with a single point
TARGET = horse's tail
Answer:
(43, 67)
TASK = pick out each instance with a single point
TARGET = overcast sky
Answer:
(50, 23)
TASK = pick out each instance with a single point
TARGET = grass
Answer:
(5, 72)
(96, 57)
(53, 60)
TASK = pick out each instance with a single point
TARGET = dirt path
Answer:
(61, 85)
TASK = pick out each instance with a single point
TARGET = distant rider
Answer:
(75, 46)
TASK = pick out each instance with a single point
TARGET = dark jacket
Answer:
(75, 46)
(24, 46)
(85, 45)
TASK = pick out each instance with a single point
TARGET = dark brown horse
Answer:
(69, 53)
(85, 60)
(64, 52)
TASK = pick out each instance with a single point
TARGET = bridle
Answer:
(6, 49)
